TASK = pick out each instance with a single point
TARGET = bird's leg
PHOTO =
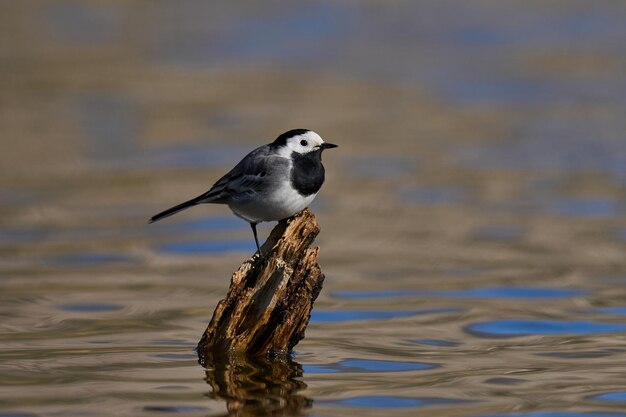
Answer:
(256, 239)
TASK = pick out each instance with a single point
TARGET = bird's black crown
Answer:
(282, 139)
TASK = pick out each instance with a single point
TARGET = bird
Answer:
(271, 183)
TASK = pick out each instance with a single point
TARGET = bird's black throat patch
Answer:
(307, 173)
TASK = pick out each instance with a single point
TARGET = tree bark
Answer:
(269, 302)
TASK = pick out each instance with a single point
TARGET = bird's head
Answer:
(301, 141)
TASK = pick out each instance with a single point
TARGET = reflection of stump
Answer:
(269, 301)
(258, 386)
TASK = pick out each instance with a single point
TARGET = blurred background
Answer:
(473, 218)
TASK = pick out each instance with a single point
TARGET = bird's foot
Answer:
(262, 257)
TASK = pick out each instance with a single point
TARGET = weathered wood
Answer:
(269, 302)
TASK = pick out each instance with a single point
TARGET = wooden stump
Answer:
(269, 302)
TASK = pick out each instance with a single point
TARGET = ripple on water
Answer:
(436, 342)
(90, 258)
(520, 327)
(612, 310)
(619, 397)
(12, 236)
(558, 414)
(367, 365)
(504, 381)
(17, 414)
(443, 195)
(178, 356)
(334, 316)
(89, 307)
(202, 224)
(207, 247)
(366, 295)
(189, 156)
(485, 292)
(620, 234)
(380, 167)
(173, 342)
(598, 207)
(513, 292)
(343, 315)
(546, 152)
(499, 233)
(324, 23)
(174, 409)
(83, 24)
(382, 401)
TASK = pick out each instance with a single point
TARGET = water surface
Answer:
(473, 218)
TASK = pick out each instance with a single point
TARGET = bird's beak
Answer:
(327, 145)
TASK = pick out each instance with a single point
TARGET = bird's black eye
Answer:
(304, 142)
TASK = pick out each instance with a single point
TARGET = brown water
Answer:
(473, 219)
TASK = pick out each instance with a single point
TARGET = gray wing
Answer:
(254, 174)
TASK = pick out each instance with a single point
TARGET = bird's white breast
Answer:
(288, 201)
(281, 202)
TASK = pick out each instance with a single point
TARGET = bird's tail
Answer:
(176, 209)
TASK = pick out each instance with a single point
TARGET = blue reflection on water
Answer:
(513, 292)
(482, 36)
(123, 156)
(202, 224)
(433, 195)
(384, 366)
(323, 22)
(342, 315)
(17, 414)
(90, 258)
(612, 310)
(519, 327)
(320, 369)
(591, 208)
(380, 167)
(367, 365)
(559, 149)
(207, 247)
(584, 207)
(173, 227)
(256, 37)
(486, 292)
(495, 90)
(14, 235)
(383, 401)
(332, 316)
(190, 156)
(612, 396)
(83, 24)
(558, 414)
(110, 124)
(380, 401)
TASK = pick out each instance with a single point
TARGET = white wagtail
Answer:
(271, 183)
